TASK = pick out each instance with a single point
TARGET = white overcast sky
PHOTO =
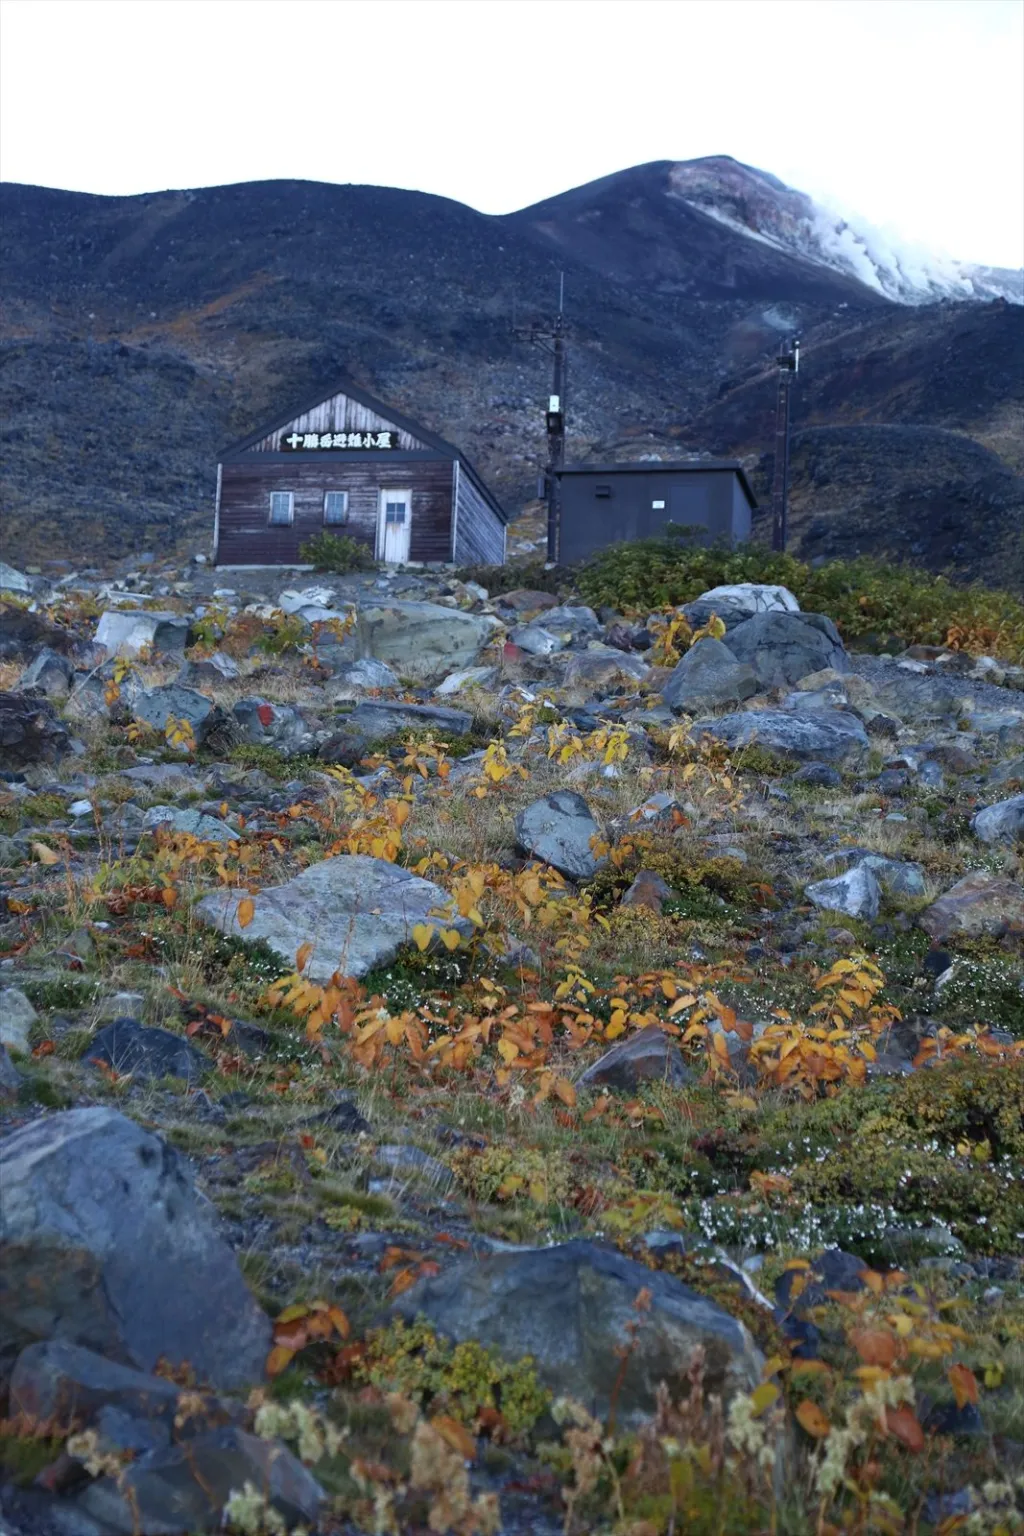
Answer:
(909, 112)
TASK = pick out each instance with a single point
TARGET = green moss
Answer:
(23, 1457)
(503, 1173)
(274, 763)
(62, 994)
(461, 1379)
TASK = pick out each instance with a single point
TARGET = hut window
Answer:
(282, 507)
(336, 507)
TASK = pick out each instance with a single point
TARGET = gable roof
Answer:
(345, 386)
(666, 467)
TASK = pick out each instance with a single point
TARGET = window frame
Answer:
(281, 522)
(337, 522)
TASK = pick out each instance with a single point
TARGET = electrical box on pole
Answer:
(788, 363)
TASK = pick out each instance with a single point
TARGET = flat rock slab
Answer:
(558, 830)
(355, 910)
(30, 732)
(128, 634)
(828, 736)
(568, 1307)
(379, 722)
(423, 641)
(979, 905)
(208, 829)
(106, 1245)
(17, 1016)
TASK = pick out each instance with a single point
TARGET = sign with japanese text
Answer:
(304, 442)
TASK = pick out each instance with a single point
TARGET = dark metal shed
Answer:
(604, 504)
(349, 464)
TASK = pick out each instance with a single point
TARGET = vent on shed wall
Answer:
(602, 490)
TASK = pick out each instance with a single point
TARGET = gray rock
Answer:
(1007, 772)
(408, 1164)
(1002, 822)
(826, 736)
(379, 722)
(572, 622)
(213, 669)
(855, 893)
(817, 775)
(133, 1050)
(645, 1056)
(356, 911)
(10, 1077)
(12, 580)
(108, 1246)
(605, 667)
(57, 1380)
(708, 675)
(979, 905)
(423, 641)
(178, 819)
(649, 889)
(155, 706)
(184, 1488)
(568, 1307)
(367, 674)
(30, 732)
(742, 600)
(17, 1016)
(535, 640)
(467, 677)
(128, 634)
(898, 876)
(282, 726)
(558, 830)
(50, 673)
(784, 647)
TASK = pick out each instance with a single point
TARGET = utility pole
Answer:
(788, 362)
(551, 336)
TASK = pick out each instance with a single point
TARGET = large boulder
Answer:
(17, 1017)
(559, 830)
(1002, 822)
(739, 601)
(207, 671)
(379, 722)
(423, 641)
(356, 911)
(176, 818)
(605, 667)
(572, 622)
(826, 736)
(570, 1307)
(12, 580)
(107, 1245)
(23, 634)
(980, 905)
(707, 676)
(129, 634)
(30, 732)
(783, 647)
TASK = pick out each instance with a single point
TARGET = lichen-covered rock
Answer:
(49, 673)
(284, 727)
(356, 911)
(17, 1016)
(107, 1245)
(128, 634)
(649, 1055)
(568, 1306)
(855, 893)
(827, 736)
(134, 1050)
(560, 830)
(423, 641)
(979, 905)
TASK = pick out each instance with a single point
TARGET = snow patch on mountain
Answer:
(763, 208)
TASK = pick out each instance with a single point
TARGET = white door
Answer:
(394, 523)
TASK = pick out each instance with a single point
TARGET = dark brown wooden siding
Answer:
(245, 536)
(479, 531)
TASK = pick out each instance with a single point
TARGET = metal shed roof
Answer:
(666, 467)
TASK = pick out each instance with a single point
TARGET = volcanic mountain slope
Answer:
(141, 334)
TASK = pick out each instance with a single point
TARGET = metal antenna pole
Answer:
(788, 362)
(552, 337)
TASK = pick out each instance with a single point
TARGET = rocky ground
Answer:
(475, 1063)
